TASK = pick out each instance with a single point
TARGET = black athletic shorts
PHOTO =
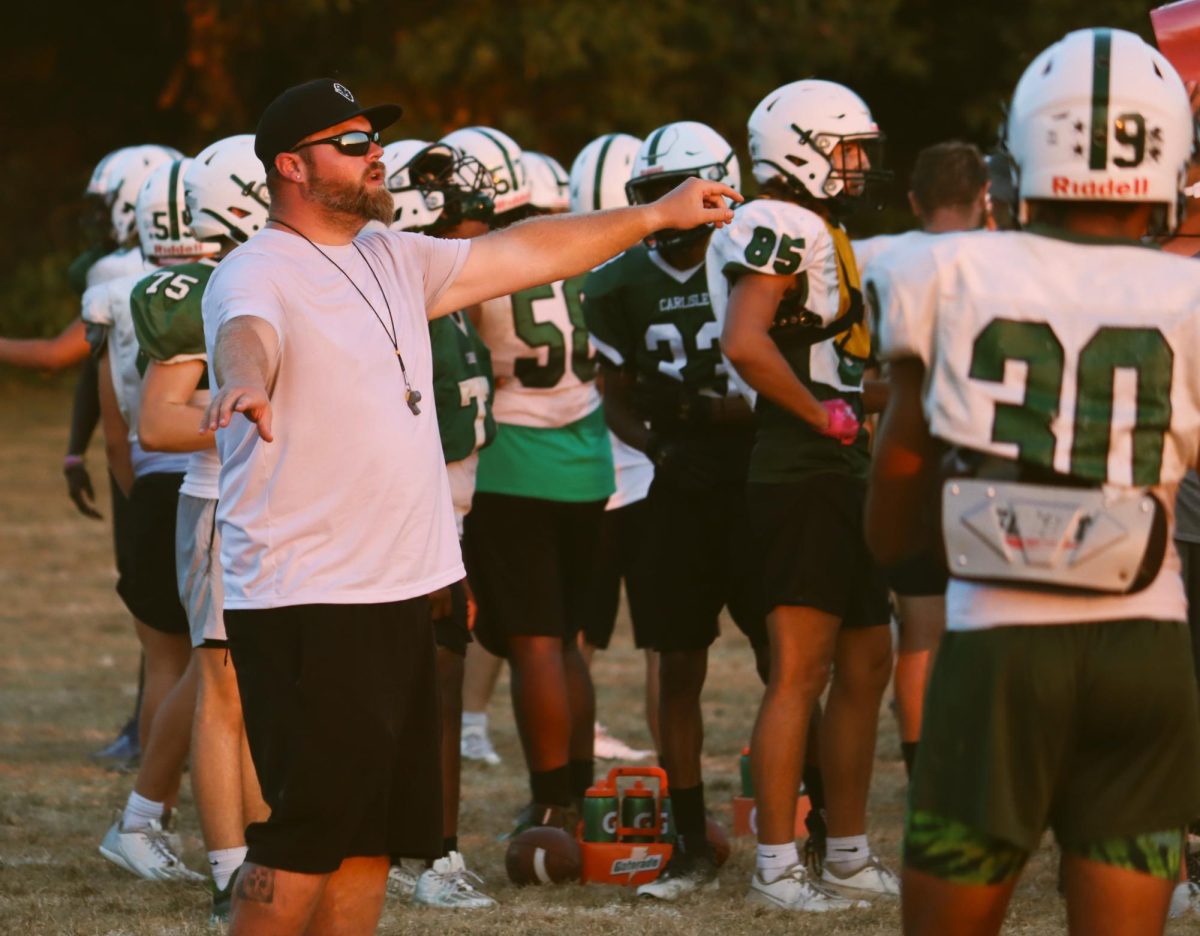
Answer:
(922, 576)
(148, 585)
(814, 553)
(620, 555)
(342, 715)
(530, 565)
(701, 558)
(453, 632)
(122, 530)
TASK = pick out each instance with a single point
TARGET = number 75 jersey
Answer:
(542, 356)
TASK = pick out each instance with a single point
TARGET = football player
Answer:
(549, 184)
(650, 318)
(784, 282)
(139, 841)
(438, 191)
(948, 192)
(530, 537)
(597, 182)
(227, 202)
(1054, 368)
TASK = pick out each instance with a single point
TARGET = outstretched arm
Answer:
(66, 348)
(543, 250)
(245, 348)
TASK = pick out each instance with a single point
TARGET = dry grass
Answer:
(66, 682)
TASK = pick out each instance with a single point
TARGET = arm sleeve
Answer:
(85, 409)
(237, 288)
(440, 261)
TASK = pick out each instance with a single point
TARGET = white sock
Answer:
(773, 860)
(847, 854)
(224, 861)
(475, 720)
(140, 812)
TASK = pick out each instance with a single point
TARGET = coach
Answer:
(335, 511)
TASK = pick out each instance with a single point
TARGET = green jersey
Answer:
(462, 386)
(166, 315)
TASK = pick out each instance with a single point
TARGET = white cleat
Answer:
(475, 745)
(871, 880)
(147, 852)
(794, 891)
(401, 881)
(1185, 899)
(606, 747)
(449, 885)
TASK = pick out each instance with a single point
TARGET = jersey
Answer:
(542, 355)
(1068, 355)
(165, 308)
(820, 330)
(867, 249)
(462, 386)
(78, 270)
(118, 263)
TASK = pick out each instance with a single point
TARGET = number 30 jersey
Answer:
(1080, 357)
(542, 356)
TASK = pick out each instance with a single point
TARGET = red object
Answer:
(744, 817)
(543, 855)
(718, 838)
(630, 860)
(1177, 29)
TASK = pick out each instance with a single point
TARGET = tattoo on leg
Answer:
(256, 884)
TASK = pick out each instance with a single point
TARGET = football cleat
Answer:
(475, 745)
(402, 881)
(685, 873)
(222, 902)
(794, 890)
(1185, 899)
(448, 884)
(873, 879)
(146, 852)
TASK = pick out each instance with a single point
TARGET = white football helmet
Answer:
(124, 175)
(227, 190)
(673, 153)
(501, 156)
(434, 186)
(818, 137)
(600, 171)
(163, 222)
(1101, 116)
(548, 183)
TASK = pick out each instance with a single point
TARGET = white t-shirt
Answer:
(350, 503)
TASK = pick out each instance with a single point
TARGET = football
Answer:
(543, 855)
(718, 839)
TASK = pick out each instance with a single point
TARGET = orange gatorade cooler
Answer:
(622, 835)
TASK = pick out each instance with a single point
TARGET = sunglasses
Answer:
(351, 143)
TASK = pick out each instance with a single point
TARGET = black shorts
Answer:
(122, 528)
(530, 565)
(814, 553)
(453, 632)
(620, 555)
(921, 576)
(700, 558)
(342, 716)
(148, 585)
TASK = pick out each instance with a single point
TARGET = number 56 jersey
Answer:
(1079, 357)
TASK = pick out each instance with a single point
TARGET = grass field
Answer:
(67, 682)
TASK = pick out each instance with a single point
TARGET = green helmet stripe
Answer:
(653, 157)
(512, 170)
(600, 171)
(172, 201)
(1101, 68)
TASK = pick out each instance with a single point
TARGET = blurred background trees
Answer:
(81, 78)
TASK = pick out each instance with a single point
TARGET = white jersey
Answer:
(542, 356)
(1076, 357)
(867, 249)
(118, 264)
(781, 238)
(107, 304)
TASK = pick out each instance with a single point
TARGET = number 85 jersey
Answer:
(542, 356)
(1079, 357)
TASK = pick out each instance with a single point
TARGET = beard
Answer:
(354, 199)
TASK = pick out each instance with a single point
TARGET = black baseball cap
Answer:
(306, 108)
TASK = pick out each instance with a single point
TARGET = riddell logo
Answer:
(1108, 188)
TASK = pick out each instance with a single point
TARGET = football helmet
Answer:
(818, 138)
(673, 153)
(500, 155)
(1101, 116)
(226, 190)
(550, 189)
(600, 171)
(163, 222)
(434, 186)
(123, 173)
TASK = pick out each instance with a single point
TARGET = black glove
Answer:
(688, 465)
(79, 486)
